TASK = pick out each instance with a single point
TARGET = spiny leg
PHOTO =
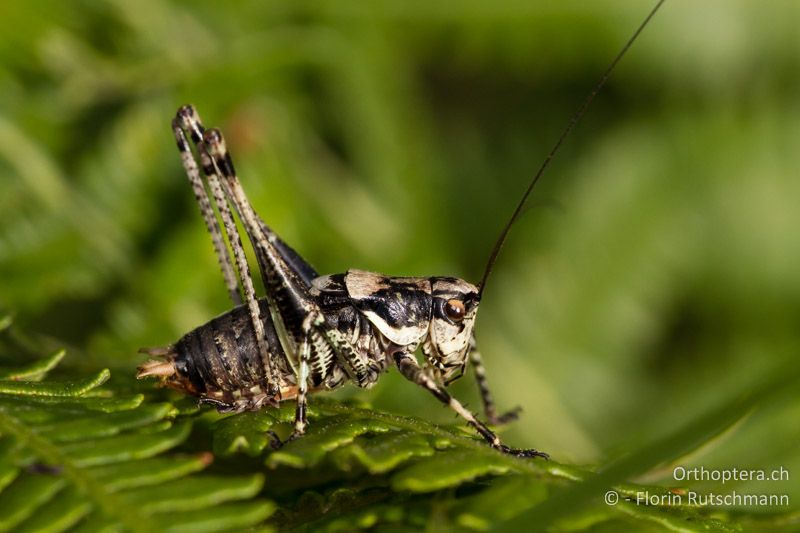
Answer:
(193, 173)
(300, 413)
(287, 287)
(189, 119)
(256, 229)
(287, 292)
(411, 370)
(316, 332)
(486, 395)
(300, 421)
(277, 273)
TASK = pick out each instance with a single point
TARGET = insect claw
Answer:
(523, 453)
(275, 441)
(274, 395)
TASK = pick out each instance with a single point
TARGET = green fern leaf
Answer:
(80, 454)
(69, 459)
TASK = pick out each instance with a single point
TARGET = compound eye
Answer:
(454, 309)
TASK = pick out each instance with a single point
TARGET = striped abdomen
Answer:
(220, 362)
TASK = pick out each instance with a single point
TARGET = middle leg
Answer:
(486, 395)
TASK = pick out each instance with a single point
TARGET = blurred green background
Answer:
(655, 275)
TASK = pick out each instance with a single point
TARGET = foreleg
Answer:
(411, 370)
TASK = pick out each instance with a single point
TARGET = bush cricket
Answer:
(312, 332)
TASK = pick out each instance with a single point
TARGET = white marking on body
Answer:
(362, 284)
(403, 336)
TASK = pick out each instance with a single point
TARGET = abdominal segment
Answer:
(219, 362)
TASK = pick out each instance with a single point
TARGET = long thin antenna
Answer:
(573, 121)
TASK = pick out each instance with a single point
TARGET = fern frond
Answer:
(69, 459)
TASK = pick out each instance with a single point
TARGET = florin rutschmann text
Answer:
(712, 499)
(676, 497)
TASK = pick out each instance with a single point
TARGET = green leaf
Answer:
(23, 497)
(324, 436)
(35, 370)
(45, 406)
(65, 463)
(384, 452)
(146, 472)
(58, 389)
(60, 514)
(447, 469)
(70, 460)
(105, 424)
(678, 443)
(502, 500)
(193, 494)
(244, 433)
(229, 516)
(126, 447)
